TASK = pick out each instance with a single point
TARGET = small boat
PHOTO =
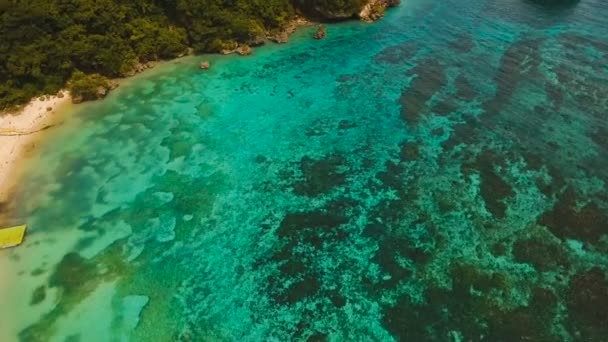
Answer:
(13, 236)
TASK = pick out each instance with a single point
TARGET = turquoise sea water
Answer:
(437, 176)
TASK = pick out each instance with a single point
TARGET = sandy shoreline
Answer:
(20, 132)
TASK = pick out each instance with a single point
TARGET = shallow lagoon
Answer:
(439, 175)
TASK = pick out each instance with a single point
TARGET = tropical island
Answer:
(48, 44)
(439, 175)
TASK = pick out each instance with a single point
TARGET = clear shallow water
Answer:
(439, 175)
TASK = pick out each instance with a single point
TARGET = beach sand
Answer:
(20, 132)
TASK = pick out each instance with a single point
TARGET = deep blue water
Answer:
(437, 176)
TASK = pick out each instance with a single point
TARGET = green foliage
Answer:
(326, 7)
(45, 41)
(88, 87)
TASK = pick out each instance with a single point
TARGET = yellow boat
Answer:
(11, 237)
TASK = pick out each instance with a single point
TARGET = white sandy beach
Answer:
(17, 137)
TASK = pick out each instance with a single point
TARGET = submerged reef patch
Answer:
(320, 176)
(493, 188)
(429, 78)
(587, 297)
(571, 219)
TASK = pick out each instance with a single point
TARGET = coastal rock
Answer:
(257, 40)
(77, 99)
(244, 50)
(374, 9)
(101, 92)
(205, 65)
(139, 67)
(320, 34)
(282, 36)
(229, 48)
(367, 10)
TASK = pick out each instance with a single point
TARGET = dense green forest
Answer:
(44, 43)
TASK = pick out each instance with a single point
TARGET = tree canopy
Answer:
(44, 42)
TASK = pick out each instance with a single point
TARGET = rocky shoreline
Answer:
(372, 11)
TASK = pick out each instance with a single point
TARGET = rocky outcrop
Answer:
(205, 65)
(99, 93)
(282, 36)
(243, 50)
(367, 10)
(140, 67)
(320, 34)
(374, 9)
(87, 87)
(257, 40)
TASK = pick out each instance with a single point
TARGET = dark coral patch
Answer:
(317, 337)
(300, 290)
(408, 321)
(336, 298)
(464, 88)
(303, 234)
(520, 324)
(438, 131)
(540, 252)
(522, 57)
(533, 160)
(293, 267)
(409, 151)
(321, 176)
(396, 54)
(445, 107)
(387, 257)
(464, 43)
(462, 133)
(576, 47)
(259, 159)
(467, 277)
(600, 137)
(494, 191)
(72, 273)
(587, 300)
(569, 221)
(308, 225)
(555, 94)
(346, 124)
(38, 295)
(576, 41)
(493, 188)
(36, 272)
(430, 78)
(473, 309)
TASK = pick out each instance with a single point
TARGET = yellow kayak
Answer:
(11, 237)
